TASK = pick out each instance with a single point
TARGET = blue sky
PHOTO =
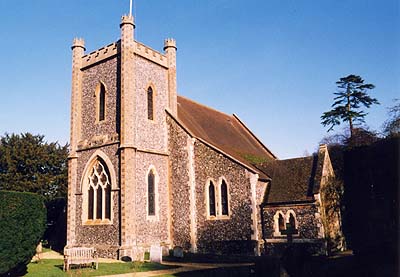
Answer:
(274, 63)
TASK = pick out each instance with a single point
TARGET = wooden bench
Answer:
(79, 256)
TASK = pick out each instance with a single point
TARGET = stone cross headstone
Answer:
(289, 232)
(156, 254)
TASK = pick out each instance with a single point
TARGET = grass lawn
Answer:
(51, 268)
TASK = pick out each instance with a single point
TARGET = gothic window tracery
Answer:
(99, 192)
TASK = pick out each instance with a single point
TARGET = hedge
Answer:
(22, 224)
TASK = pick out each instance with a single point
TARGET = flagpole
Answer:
(130, 7)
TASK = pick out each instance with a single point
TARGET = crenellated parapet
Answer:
(127, 19)
(169, 42)
(113, 49)
(150, 54)
(100, 54)
(78, 42)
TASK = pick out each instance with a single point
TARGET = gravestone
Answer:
(165, 250)
(178, 252)
(156, 254)
(138, 254)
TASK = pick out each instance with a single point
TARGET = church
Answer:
(149, 167)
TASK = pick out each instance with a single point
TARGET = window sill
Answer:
(152, 218)
(279, 235)
(97, 222)
(100, 122)
(220, 217)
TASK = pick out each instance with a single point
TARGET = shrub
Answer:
(22, 224)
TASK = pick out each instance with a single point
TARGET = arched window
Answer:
(292, 220)
(281, 222)
(99, 192)
(90, 203)
(211, 199)
(151, 193)
(224, 198)
(150, 104)
(102, 102)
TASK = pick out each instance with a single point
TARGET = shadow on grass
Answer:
(210, 258)
(222, 271)
(61, 267)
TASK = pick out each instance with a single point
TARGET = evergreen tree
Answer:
(392, 125)
(28, 163)
(351, 96)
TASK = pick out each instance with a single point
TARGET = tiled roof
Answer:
(223, 131)
(293, 180)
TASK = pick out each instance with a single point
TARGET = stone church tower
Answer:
(119, 144)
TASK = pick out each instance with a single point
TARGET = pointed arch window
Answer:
(90, 203)
(99, 192)
(224, 198)
(292, 220)
(150, 104)
(281, 222)
(102, 102)
(211, 199)
(151, 193)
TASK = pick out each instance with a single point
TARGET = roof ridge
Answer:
(298, 158)
(205, 106)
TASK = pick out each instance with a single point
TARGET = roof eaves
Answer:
(289, 203)
(260, 168)
(254, 170)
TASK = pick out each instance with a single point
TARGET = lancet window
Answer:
(150, 103)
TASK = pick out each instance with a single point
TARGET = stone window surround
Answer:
(218, 204)
(277, 232)
(156, 216)
(97, 96)
(99, 190)
(153, 88)
(207, 200)
(98, 154)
